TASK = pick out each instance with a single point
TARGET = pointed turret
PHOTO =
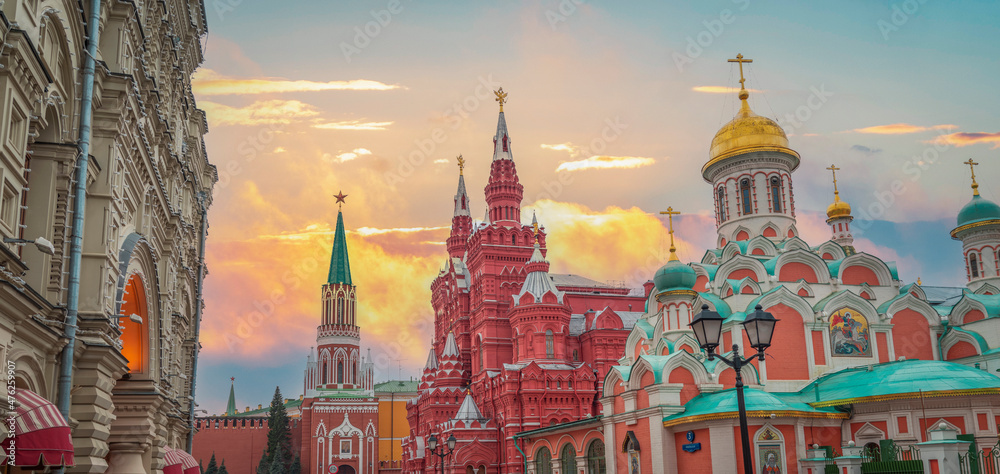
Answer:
(231, 405)
(461, 221)
(340, 265)
(450, 367)
(838, 215)
(978, 229)
(503, 191)
(468, 411)
(538, 283)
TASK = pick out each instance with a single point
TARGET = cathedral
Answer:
(544, 373)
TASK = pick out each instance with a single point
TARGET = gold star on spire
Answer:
(461, 165)
(975, 185)
(501, 97)
(743, 90)
(340, 199)
(670, 212)
(836, 193)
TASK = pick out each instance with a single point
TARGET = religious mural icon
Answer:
(769, 452)
(345, 446)
(849, 336)
(633, 462)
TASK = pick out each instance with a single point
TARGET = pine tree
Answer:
(296, 467)
(278, 434)
(279, 462)
(262, 466)
(212, 467)
(222, 468)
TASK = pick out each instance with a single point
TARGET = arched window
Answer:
(340, 372)
(974, 265)
(543, 461)
(770, 447)
(340, 311)
(576, 355)
(722, 204)
(481, 367)
(745, 196)
(324, 372)
(513, 240)
(550, 350)
(776, 194)
(567, 459)
(595, 458)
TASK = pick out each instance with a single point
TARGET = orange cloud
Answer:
(207, 82)
(258, 113)
(573, 150)
(352, 125)
(605, 162)
(901, 128)
(719, 89)
(969, 138)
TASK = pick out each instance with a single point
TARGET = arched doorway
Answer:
(134, 335)
(345, 469)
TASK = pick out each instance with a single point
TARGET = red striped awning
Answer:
(41, 435)
(174, 461)
(189, 465)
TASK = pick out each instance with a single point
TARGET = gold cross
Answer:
(739, 59)
(501, 97)
(670, 212)
(461, 165)
(834, 168)
(975, 185)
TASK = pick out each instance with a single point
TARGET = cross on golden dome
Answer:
(670, 212)
(461, 165)
(340, 199)
(501, 97)
(739, 59)
(972, 167)
(836, 193)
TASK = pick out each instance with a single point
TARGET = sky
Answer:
(611, 110)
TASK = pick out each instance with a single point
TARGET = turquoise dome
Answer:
(674, 276)
(978, 209)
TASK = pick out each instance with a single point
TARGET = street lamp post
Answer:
(432, 443)
(759, 326)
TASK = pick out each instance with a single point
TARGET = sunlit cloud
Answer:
(440, 161)
(280, 149)
(961, 139)
(572, 149)
(207, 82)
(901, 128)
(347, 156)
(719, 89)
(351, 125)
(258, 113)
(605, 162)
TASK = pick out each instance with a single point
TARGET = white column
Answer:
(723, 444)
(657, 445)
(610, 451)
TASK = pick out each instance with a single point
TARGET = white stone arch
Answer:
(795, 243)
(783, 296)
(746, 282)
(795, 231)
(805, 257)
(866, 288)
(612, 380)
(661, 344)
(138, 258)
(762, 243)
(700, 301)
(803, 285)
(636, 337)
(954, 337)
(868, 433)
(987, 289)
(320, 429)
(741, 228)
(739, 262)
(709, 258)
(871, 262)
(731, 250)
(689, 362)
(27, 368)
(749, 372)
(958, 312)
(908, 301)
(688, 339)
(847, 299)
(832, 248)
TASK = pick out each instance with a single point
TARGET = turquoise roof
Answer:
(756, 301)
(821, 303)
(897, 378)
(721, 306)
(624, 370)
(340, 265)
(983, 345)
(674, 276)
(737, 317)
(991, 302)
(892, 270)
(758, 404)
(231, 405)
(646, 328)
(834, 266)
(770, 264)
(656, 362)
(397, 386)
(978, 209)
(710, 269)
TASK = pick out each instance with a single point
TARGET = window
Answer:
(745, 196)
(595, 458)
(324, 372)
(550, 350)
(567, 459)
(340, 372)
(480, 353)
(576, 356)
(8, 206)
(543, 461)
(513, 240)
(340, 311)
(722, 204)
(776, 193)
(974, 265)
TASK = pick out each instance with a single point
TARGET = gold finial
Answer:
(743, 90)
(501, 97)
(919, 282)
(670, 212)
(975, 185)
(340, 199)
(836, 193)
(461, 165)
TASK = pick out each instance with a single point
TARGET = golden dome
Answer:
(745, 133)
(838, 209)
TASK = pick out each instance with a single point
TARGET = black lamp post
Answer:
(759, 326)
(432, 443)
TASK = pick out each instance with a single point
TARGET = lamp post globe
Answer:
(451, 442)
(707, 327)
(759, 326)
(432, 442)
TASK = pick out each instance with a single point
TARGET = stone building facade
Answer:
(148, 186)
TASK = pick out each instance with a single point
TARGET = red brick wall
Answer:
(795, 271)
(742, 273)
(881, 340)
(819, 351)
(698, 462)
(857, 274)
(961, 349)
(788, 362)
(682, 375)
(911, 335)
(240, 447)
(974, 315)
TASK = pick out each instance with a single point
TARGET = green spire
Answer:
(231, 406)
(340, 266)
